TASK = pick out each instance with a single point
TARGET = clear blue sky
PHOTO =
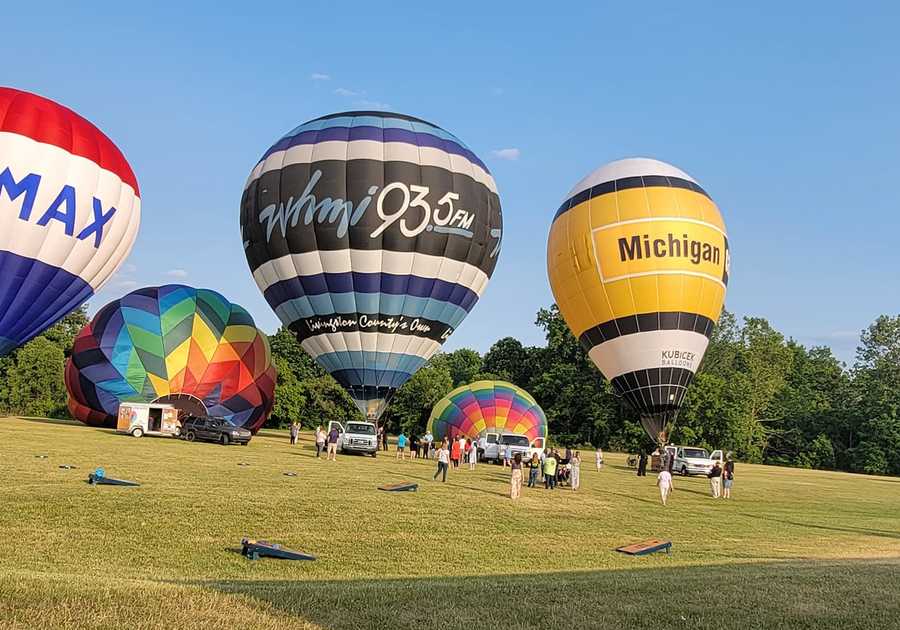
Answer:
(787, 113)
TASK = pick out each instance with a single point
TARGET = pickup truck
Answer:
(492, 445)
(358, 437)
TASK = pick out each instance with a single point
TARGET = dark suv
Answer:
(213, 429)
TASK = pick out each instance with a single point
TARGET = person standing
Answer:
(473, 457)
(515, 480)
(550, 472)
(598, 458)
(728, 477)
(320, 440)
(507, 455)
(414, 447)
(642, 464)
(443, 461)
(401, 446)
(333, 437)
(715, 480)
(384, 440)
(666, 485)
(534, 465)
(428, 439)
(295, 429)
(575, 472)
(454, 453)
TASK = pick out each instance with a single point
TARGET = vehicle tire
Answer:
(684, 472)
(375, 454)
(245, 443)
(225, 439)
(137, 432)
(189, 436)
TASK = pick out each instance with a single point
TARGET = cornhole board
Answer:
(406, 486)
(646, 546)
(256, 549)
(102, 480)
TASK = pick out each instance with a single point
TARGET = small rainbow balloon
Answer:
(482, 406)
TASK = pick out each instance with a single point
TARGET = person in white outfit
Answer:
(473, 456)
(666, 484)
(598, 458)
(575, 471)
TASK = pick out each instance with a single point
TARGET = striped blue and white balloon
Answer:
(371, 235)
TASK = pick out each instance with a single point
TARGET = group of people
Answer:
(721, 480)
(415, 447)
(326, 442)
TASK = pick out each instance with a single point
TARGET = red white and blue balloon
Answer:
(69, 213)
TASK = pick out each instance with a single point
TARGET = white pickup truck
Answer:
(492, 446)
(359, 437)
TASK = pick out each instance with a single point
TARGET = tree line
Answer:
(766, 398)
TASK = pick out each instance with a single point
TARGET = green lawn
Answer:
(794, 549)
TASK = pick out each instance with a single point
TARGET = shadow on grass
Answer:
(850, 530)
(67, 422)
(859, 594)
(450, 483)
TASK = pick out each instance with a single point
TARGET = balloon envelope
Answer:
(371, 235)
(69, 213)
(482, 406)
(175, 344)
(638, 260)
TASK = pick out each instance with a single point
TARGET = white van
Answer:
(140, 419)
(359, 437)
(492, 446)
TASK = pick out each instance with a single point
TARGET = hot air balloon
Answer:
(69, 213)
(191, 348)
(371, 235)
(638, 260)
(482, 406)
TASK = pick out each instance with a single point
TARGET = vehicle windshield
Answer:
(698, 453)
(514, 440)
(364, 429)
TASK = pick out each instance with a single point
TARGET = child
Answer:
(454, 453)
(665, 483)
(534, 465)
(473, 457)
(598, 456)
(575, 473)
(507, 455)
(728, 477)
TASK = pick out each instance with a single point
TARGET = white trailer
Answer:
(140, 419)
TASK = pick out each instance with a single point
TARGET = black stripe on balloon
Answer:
(287, 193)
(373, 114)
(645, 322)
(654, 390)
(370, 323)
(625, 183)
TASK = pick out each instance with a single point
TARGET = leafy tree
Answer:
(464, 365)
(512, 361)
(324, 400)
(412, 404)
(63, 333)
(36, 386)
(290, 401)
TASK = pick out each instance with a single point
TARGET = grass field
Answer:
(794, 549)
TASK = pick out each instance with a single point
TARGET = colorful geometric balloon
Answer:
(172, 344)
(69, 213)
(638, 260)
(371, 235)
(482, 406)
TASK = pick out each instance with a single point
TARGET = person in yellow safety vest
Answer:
(550, 471)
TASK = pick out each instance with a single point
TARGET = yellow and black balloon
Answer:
(638, 261)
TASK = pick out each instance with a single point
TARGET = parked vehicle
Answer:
(492, 446)
(359, 437)
(692, 460)
(141, 419)
(213, 429)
